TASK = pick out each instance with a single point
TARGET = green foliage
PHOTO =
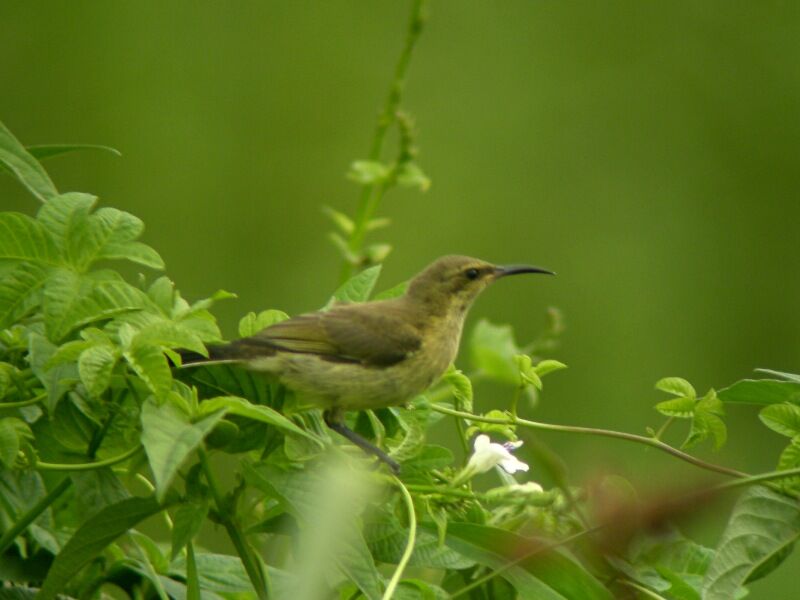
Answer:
(704, 413)
(92, 537)
(761, 532)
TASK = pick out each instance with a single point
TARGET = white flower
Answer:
(487, 454)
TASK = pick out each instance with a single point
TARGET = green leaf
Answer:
(676, 386)
(96, 489)
(368, 172)
(414, 439)
(11, 429)
(25, 167)
(393, 292)
(461, 387)
(431, 457)
(387, 540)
(681, 408)
(226, 575)
(706, 422)
(65, 218)
(782, 418)
(169, 437)
(113, 238)
(668, 564)
(545, 367)
(706, 425)
(170, 334)
(23, 238)
(377, 253)
(187, 521)
(257, 412)
(20, 291)
(357, 288)
(57, 380)
(342, 221)
(527, 374)
(504, 429)
(790, 459)
(411, 175)
(763, 525)
(148, 362)
(783, 375)
(72, 300)
(492, 348)
(95, 366)
(326, 505)
(45, 151)
(416, 589)
(251, 323)
(761, 391)
(92, 537)
(149, 562)
(546, 575)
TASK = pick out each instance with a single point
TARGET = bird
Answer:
(370, 355)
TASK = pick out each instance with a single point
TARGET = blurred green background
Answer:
(647, 151)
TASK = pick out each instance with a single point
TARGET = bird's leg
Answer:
(334, 420)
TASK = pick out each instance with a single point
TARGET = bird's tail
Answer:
(217, 354)
(235, 352)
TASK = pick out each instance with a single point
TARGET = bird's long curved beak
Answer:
(502, 271)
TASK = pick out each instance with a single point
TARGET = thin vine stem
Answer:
(412, 538)
(371, 195)
(62, 486)
(33, 513)
(631, 437)
(754, 479)
(21, 403)
(89, 466)
(251, 567)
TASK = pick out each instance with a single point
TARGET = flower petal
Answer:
(512, 464)
(481, 442)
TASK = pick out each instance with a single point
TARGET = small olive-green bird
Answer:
(371, 354)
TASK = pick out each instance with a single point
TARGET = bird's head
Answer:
(451, 283)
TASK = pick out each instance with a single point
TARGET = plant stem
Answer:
(753, 479)
(631, 437)
(371, 194)
(21, 403)
(663, 429)
(252, 568)
(43, 466)
(33, 513)
(412, 536)
(53, 495)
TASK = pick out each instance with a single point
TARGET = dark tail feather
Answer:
(239, 350)
(216, 352)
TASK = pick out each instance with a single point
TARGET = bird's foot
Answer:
(334, 423)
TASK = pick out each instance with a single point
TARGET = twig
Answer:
(371, 194)
(631, 437)
(412, 537)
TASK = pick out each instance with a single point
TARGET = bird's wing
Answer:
(348, 333)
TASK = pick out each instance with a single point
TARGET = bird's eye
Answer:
(472, 273)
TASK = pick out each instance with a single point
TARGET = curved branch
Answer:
(630, 437)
